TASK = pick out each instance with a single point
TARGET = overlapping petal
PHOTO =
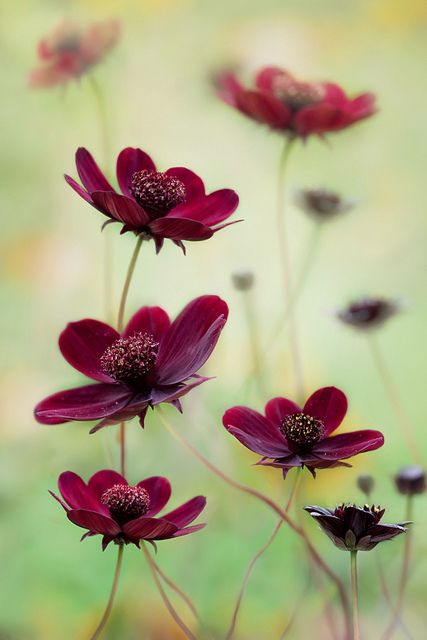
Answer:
(93, 521)
(149, 528)
(210, 210)
(152, 320)
(129, 161)
(121, 208)
(159, 491)
(194, 186)
(329, 405)
(187, 512)
(75, 492)
(180, 229)
(346, 445)
(278, 408)
(89, 173)
(256, 432)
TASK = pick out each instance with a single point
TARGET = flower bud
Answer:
(411, 480)
(243, 280)
(322, 203)
(366, 483)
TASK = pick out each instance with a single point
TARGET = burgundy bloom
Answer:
(158, 205)
(152, 361)
(69, 51)
(369, 313)
(283, 103)
(322, 204)
(109, 506)
(288, 436)
(411, 480)
(354, 528)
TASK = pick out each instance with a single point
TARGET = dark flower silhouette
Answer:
(289, 436)
(322, 204)
(151, 362)
(411, 480)
(353, 528)
(157, 205)
(369, 313)
(123, 514)
(284, 103)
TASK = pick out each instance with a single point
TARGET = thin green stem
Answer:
(111, 599)
(355, 596)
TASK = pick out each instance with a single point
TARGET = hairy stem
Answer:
(113, 592)
(355, 595)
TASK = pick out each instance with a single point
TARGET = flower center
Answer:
(157, 191)
(301, 430)
(129, 359)
(296, 94)
(126, 503)
(322, 201)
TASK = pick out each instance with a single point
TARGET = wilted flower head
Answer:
(369, 313)
(353, 528)
(154, 204)
(109, 506)
(70, 51)
(323, 204)
(366, 483)
(298, 108)
(152, 361)
(411, 480)
(290, 436)
(243, 280)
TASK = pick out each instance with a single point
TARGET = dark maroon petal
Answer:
(91, 402)
(254, 424)
(228, 87)
(188, 530)
(278, 408)
(148, 320)
(136, 406)
(190, 339)
(94, 522)
(149, 528)
(121, 208)
(180, 229)
(90, 174)
(363, 106)
(159, 490)
(78, 189)
(334, 95)
(265, 108)
(76, 493)
(320, 118)
(129, 162)
(83, 343)
(187, 512)
(194, 187)
(103, 480)
(258, 444)
(173, 392)
(58, 499)
(347, 445)
(210, 210)
(265, 78)
(328, 405)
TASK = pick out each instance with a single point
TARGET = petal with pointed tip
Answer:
(187, 512)
(90, 174)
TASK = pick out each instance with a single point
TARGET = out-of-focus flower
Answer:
(123, 514)
(369, 313)
(353, 528)
(243, 280)
(288, 436)
(323, 204)
(284, 103)
(158, 205)
(70, 51)
(366, 483)
(151, 362)
(411, 480)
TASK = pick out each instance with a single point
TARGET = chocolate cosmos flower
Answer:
(369, 313)
(109, 506)
(354, 528)
(171, 204)
(285, 104)
(288, 436)
(152, 361)
(322, 204)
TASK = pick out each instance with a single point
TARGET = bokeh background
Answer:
(158, 96)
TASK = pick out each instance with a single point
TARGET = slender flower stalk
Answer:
(355, 596)
(111, 599)
(188, 601)
(316, 557)
(168, 604)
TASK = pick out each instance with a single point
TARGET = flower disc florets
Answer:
(129, 359)
(126, 503)
(296, 94)
(301, 430)
(157, 191)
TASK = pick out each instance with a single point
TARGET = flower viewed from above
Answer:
(369, 313)
(123, 514)
(354, 528)
(411, 480)
(284, 103)
(158, 205)
(69, 51)
(151, 362)
(289, 436)
(323, 205)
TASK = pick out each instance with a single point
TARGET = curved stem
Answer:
(258, 555)
(113, 592)
(391, 390)
(355, 596)
(316, 557)
(181, 624)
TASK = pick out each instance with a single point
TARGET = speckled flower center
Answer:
(125, 502)
(157, 191)
(301, 430)
(296, 94)
(129, 359)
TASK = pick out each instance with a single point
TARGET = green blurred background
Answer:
(158, 95)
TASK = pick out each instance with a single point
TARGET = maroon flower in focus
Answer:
(299, 108)
(151, 362)
(109, 506)
(69, 51)
(288, 436)
(170, 204)
(369, 313)
(354, 528)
